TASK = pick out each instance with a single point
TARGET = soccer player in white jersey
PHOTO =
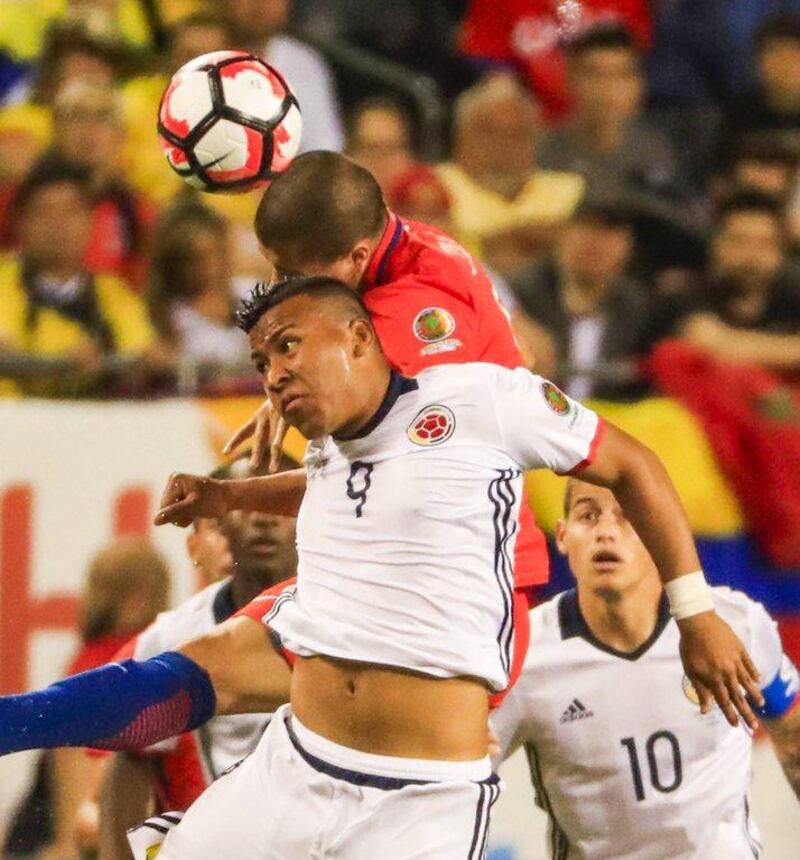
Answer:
(401, 618)
(620, 757)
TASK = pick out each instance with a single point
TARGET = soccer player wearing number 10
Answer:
(620, 758)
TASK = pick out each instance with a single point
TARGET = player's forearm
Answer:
(126, 799)
(248, 674)
(126, 705)
(280, 494)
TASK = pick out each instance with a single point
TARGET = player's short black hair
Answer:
(320, 208)
(749, 201)
(607, 35)
(781, 26)
(52, 170)
(264, 297)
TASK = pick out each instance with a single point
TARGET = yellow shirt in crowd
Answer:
(547, 199)
(52, 334)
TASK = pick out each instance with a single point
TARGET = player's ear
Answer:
(360, 256)
(363, 336)
(560, 535)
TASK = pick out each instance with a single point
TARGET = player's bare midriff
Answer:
(388, 711)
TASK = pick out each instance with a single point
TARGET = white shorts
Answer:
(300, 797)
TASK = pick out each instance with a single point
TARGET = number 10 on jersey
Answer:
(656, 777)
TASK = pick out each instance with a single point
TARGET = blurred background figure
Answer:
(529, 35)
(260, 26)
(191, 292)
(746, 308)
(606, 137)
(88, 130)
(505, 208)
(773, 103)
(127, 585)
(593, 314)
(51, 304)
(380, 139)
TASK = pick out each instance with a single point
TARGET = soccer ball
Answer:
(228, 122)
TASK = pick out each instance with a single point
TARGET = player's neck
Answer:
(626, 621)
(370, 399)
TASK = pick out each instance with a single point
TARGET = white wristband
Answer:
(689, 595)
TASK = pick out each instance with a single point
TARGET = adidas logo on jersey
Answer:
(576, 711)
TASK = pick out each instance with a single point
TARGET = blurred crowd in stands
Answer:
(627, 172)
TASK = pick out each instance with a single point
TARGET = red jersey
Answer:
(531, 33)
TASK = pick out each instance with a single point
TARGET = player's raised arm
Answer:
(543, 428)
(713, 656)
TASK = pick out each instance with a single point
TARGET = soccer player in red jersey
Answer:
(430, 301)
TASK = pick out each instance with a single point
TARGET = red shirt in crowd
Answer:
(530, 34)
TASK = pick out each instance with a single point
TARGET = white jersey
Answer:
(621, 758)
(223, 741)
(406, 532)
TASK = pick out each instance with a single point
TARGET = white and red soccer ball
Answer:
(229, 122)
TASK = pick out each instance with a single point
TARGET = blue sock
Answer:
(126, 705)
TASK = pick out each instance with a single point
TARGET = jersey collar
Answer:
(398, 384)
(378, 265)
(574, 624)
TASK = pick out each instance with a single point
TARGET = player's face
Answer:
(305, 354)
(605, 554)
(262, 545)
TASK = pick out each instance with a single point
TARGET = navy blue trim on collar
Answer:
(398, 385)
(573, 624)
(355, 777)
(223, 606)
(384, 263)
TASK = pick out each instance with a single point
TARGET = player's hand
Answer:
(268, 430)
(720, 668)
(190, 497)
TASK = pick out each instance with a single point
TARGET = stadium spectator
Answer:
(127, 585)
(685, 68)
(773, 105)
(88, 130)
(747, 309)
(191, 292)
(606, 139)
(505, 209)
(379, 138)
(50, 303)
(594, 315)
(71, 53)
(259, 26)
(529, 35)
